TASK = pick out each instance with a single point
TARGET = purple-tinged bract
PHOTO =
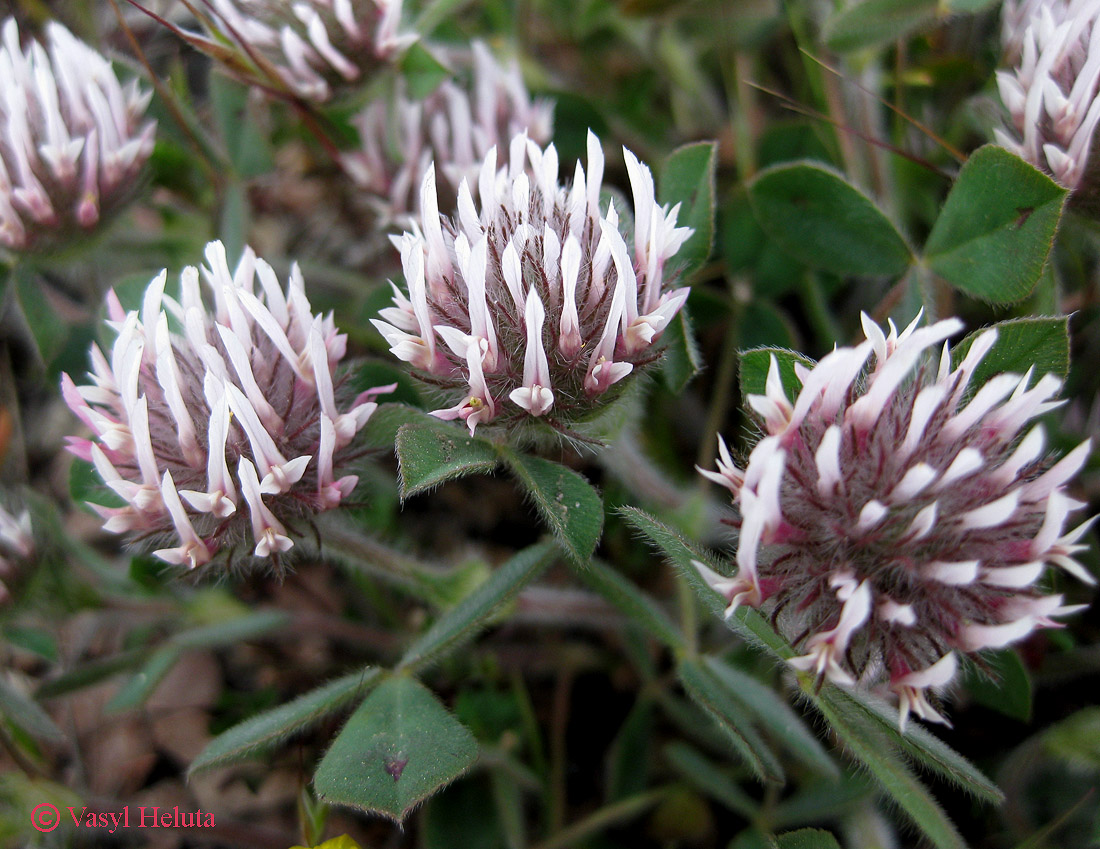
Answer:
(73, 141)
(221, 429)
(534, 306)
(893, 514)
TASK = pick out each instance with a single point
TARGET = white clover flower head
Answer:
(220, 429)
(893, 516)
(534, 306)
(1016, 17)
(16, 546)
(72, 139)
(313, 47)
(456, 126)
(1051, 92)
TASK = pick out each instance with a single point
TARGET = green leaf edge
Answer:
(244, 740)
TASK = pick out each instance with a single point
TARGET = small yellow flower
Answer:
(341, 842)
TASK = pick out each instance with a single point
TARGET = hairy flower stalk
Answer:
(456, 126)
(72, 139)
(1051, 93)
(313, 47)
(229, 432)
(893, 515)
(16, 546)
(534, 306)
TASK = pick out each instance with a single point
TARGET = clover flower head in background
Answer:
(456, 125)
(534, 306)
(220, 428)
(72, 139)
(1016, 17)
(893, 515)
(16, 546)
(1051, 93)
(313, 47)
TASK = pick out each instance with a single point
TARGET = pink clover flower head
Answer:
(1051, 92)
(16, 546)
(73, 141)
(894, 516)
(530, 304)
(456, 126)
(312, 47)
(220, 422)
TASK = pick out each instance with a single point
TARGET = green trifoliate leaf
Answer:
(628, 756)
(398, 748)
(231, 631)
(826, 222)
(566, 502)
(919, 744)
(431, 454)
(996, 229)
(422, 71)
(40, 315)
(1006, 688)
(141, 685)
(1041, 342)
(807, 838)
(873, 22)
(687, 178)
(1076, 739)
(246, 146)
(681, 361)
(261, 732)
(381, 429)
(755, 365)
